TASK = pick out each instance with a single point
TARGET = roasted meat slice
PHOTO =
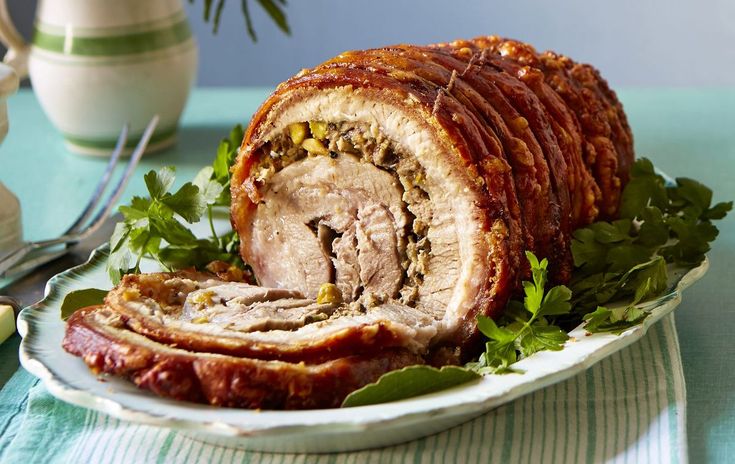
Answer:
(101, 337)
(196, 312)
(354, 216)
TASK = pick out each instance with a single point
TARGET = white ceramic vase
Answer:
(98, 64)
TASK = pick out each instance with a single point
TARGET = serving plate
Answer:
(330, 430)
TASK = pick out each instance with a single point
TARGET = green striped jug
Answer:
(98, 64)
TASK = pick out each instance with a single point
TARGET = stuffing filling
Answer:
(320, 139)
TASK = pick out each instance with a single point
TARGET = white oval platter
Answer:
(329, 430)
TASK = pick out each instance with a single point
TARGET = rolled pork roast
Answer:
(384, 200)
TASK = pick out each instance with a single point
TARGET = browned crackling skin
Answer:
(554, 204)
(609, 143)
(444, 70)
(566, 127)
(98, 335)
(541, 210)
(462, 100)
(621, 134)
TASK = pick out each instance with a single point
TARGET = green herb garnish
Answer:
(524, 328)
(81, 299)
(409, 382)
(620, 319)
(660, 224)
(153, 226)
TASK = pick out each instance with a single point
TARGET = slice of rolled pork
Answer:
(199, 313)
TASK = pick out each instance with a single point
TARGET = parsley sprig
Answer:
(661, 225)
(524, 328)
(153, 226)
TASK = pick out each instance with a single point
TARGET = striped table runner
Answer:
(628, 408)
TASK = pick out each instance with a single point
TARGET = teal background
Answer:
(634, 42)
(686, 132)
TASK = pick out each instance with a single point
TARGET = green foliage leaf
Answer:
(653, 232)
(221, 165)
(209, 188)
(692, 193)
(159, 183)
(79, 299)
(119, 263)
(692, 243)
(671, 222)
(235, 137)
(541, 336)
(187, 202)
(409, 382)
(119, 234)
(599, 289)
(556, 302)
(623, 257)
(217, 15)
(719, 211)
(525, 329)
(138, 209)
(151, 226)
(248, 20)
(488, 328)
(275, 12)
(616, 321)
(588, 253)
(172, 231)
(535, 290)
(197, 254)
(207, 9)
(226, 156)
(612, 232)
(620, 319)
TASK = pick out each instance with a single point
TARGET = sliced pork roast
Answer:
(100, 336)
(384, 200)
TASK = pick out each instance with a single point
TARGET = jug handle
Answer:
(18, 49)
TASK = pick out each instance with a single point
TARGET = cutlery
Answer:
(12, 263)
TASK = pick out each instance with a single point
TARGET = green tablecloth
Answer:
(686, 132)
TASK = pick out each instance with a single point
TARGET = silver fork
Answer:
(11, 263)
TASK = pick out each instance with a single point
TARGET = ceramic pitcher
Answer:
(97, 64)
